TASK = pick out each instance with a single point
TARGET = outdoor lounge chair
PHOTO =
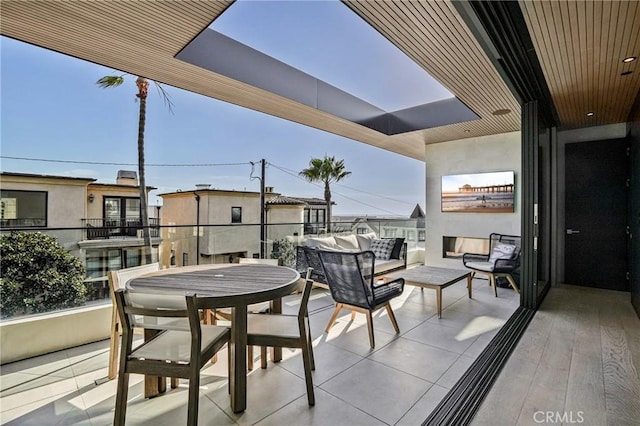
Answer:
(503, 260)
(353, 286)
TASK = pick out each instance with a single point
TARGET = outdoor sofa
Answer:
(390, 254)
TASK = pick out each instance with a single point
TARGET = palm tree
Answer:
(143, 88)
(325, 170)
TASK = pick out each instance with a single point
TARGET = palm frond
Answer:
(165, 96)
(110, 81)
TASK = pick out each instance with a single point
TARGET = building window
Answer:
(23, 208)
(422, 235)
(362, 230)
(122, 215)
(185, 259)
(236, 214)
(390, 233)
(100, 262)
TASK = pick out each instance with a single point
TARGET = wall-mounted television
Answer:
(491, 192)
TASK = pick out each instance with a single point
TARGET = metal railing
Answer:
(124, 227)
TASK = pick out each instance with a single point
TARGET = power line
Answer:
(284, 169)
(292, 173)
(124, 164)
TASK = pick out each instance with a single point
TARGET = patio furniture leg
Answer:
(307, 361)
(192, 405)
(469, 287)
(513, 283)
(370, 328)
(114, 344)
(492, 281)
(392, 317)
(334, 316)
(263, 357)
(121, 399)
(439, 301)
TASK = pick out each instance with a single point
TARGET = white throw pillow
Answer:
(349, 242)
(364, 240)
(502, 251)
(323, 243)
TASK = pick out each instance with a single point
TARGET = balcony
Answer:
(120, 228)
(398, 382)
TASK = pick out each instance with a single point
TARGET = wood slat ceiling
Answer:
(142, 38)
(580, 46)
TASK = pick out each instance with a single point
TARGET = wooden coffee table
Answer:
(433, 277)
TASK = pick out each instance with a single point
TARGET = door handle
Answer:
(572, 231)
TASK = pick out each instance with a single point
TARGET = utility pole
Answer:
(197, 228)
(263, 233)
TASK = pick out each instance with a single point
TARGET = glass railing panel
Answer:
(173, 246)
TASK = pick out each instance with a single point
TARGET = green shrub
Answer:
(38, 275)
(285, 251)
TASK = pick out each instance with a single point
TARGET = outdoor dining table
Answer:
(222, 286)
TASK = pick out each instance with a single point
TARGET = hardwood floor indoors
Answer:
(578, 362)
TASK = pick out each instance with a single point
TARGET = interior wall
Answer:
(474, 155)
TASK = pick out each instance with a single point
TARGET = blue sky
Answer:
(52, 109)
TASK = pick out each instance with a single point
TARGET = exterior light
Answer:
(501, 111)
(629, 59)
(91, 197)
(626, 73)
(590, 114)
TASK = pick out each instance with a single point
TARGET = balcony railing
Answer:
(125, 227)
(191, 244)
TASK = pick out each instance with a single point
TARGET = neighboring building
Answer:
(40, 202)
(207, 225)
(96, 222)
(411, 228)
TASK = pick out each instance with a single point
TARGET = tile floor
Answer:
(398, 383)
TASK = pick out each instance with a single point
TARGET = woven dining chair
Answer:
(181, 348)
(286, 331)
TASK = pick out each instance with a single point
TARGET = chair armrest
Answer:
(506, 265)
(474, 257)
(384, 291)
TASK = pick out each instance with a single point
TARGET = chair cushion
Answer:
(272, 325)
(481, 266)
(364, 240)
(175, 346)
(502, 251)
(349, 242)
(382, 248)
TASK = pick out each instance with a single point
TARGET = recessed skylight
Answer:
(327, 40)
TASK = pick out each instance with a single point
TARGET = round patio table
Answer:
(227, 285)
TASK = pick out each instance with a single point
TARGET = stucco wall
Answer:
(475, 155)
